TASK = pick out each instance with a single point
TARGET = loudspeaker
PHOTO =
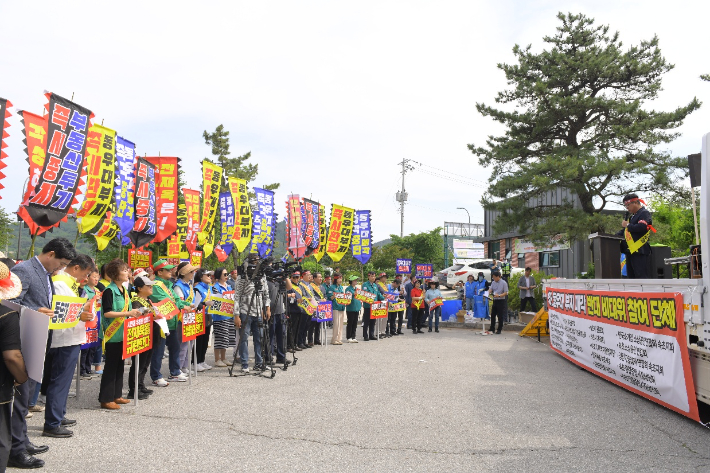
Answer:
(659, 269)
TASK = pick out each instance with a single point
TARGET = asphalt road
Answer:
(452, 401)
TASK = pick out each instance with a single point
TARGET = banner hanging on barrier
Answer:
(633, 339)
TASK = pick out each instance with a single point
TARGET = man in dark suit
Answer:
(37, 291)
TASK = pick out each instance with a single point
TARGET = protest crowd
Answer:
(89, 309)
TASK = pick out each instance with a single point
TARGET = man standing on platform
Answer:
(636, 232)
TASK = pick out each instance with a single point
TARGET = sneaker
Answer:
(29, 415)
(59, 432)
(245, 370)
(85, 377)
(262, 367)
(205, 365)
(161, 383)
(220, 364)
(99, 372)
(354, 340)
(181, 378)
(36, 408)
(201, 368)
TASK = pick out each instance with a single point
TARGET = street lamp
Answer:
(469, 215)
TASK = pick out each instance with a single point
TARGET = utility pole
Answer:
(402, 196)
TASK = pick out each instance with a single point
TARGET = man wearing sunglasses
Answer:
(636, 232)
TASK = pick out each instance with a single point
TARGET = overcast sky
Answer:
(328, 96)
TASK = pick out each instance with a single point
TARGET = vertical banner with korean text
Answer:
(296, 247)
(101, 174)
(4, 125)
(362, 238)
(144, 228)
(192, 207)
(125, 187)
(226, 217)
(211, 182)
(166, 174)
(309, 224)
(633, 339)
(59, 181)
(35, 131)
(242, 223)
(340, 231)
(323, 231)
(263, 228)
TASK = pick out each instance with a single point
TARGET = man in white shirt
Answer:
(65, 348)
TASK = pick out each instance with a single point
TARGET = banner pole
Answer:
(135, 380)
(31, 253)
(78, 374)
(194, 354)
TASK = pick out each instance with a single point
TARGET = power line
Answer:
(449, 172)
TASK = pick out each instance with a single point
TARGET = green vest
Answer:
(119, 305)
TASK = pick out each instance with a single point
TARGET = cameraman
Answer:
(277, 329)
(251, 298)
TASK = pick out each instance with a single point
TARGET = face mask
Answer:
(481, 278)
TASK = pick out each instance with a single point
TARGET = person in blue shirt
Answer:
(470, 291)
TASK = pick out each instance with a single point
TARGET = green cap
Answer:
(162, 264)
(353, 278)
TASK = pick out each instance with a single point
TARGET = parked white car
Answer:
(481, 265)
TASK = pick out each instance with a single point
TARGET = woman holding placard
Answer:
(417, 307)
(338, 309)
(225, 333)
(203, 281)
(431, 296)
(353, 311)
(116, 306)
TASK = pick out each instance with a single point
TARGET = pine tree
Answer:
(582, 120)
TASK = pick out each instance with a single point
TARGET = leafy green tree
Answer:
(384, 258)
(425, 247)
(582, 120)
(232, 167)
(705, 77)
(6, 230)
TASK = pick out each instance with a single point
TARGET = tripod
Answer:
(263, 328)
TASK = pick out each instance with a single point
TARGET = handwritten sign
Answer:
(378, 310)
(364, 296)
(343, 298)
(193, 325)
(166, 308)
(67, 310)
(137, 335)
